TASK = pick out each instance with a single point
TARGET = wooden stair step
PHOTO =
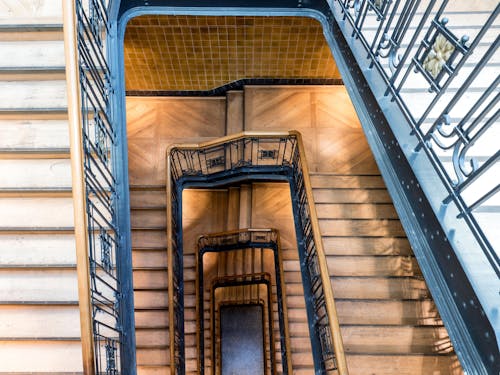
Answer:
(408, 364)
(335, 181)
(361, 228)
(387, 312)
(366, 266)
(356, 211)
(153, 357)
(36, 212)
(51, 285)
(150, 299)
(358, 195)
(149, 238)
(392, 265)
(32, 54)
(35, 249)
(41, 356)
(30, 12)
(35, 174)
(49, 321)
(153, 217)
(152, 338)
(376, 312)
(153, 370)
(149, 258)
(379, 287)
(366, 246)
(395, 339)
(151, 319)
(29, 95)
(148, 198)
(301, 358)
(34, 134)
(150, 279)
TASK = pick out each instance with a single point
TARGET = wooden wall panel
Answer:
(272, 208)
(324, 115)
(203, 212)
(155, 123)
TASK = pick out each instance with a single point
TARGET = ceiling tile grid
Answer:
(205, 52)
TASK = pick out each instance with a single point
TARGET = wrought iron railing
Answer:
(413, 44)
(263, 239)
(253, 156)
(93, 143)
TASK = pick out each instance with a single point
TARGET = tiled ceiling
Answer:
(199, 53)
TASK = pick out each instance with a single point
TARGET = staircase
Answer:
(39, 315)
(388, 320)
(239, 277)
(149, 257)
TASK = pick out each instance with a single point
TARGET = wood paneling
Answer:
(332, 134)
(155, 123)
(272, 208)
(235, 112)
(204, 211)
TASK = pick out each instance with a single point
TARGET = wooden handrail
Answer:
(78, 187)
(333, 318)
(325, 276)
(231, 138)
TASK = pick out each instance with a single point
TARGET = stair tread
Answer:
(362, 227)
(379, 287)
(34, 134)
(32, 55)
(32, 95)
(37, 212)
(54, 357)
(351, 195)
(407, 364)
(356, 211)
(366, 245)
(333, 180)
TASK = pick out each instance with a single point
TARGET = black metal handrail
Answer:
(99, 140)
(253, 156)
(411, 42)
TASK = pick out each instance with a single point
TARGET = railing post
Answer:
(78, 186)
(333, 319)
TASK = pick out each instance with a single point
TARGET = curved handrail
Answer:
(191, 161)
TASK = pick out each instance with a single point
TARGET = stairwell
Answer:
(39, 315)
(388, 320)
